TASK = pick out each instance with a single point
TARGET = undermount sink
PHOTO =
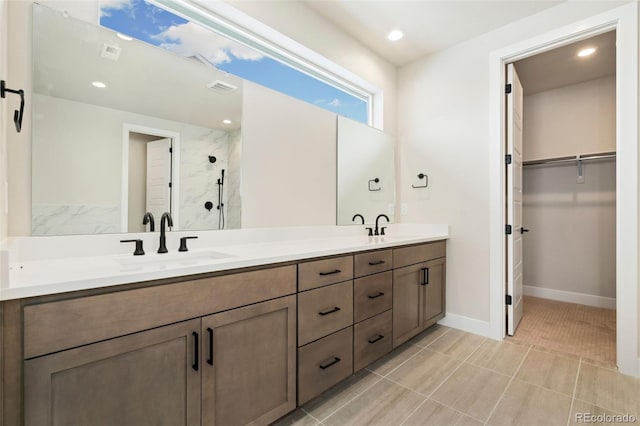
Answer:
(172, 259)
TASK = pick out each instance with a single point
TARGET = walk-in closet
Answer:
(569, 199)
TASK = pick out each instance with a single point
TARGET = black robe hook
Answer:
(17, 115)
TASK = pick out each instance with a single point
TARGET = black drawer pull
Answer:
(335, 271)
(378, 262)
(375, 339)
(330, 311)
(196, 350)
(375, 296)
(425, 272)
(334, 361)
(210, 360)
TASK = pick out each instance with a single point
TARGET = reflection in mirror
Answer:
(121, 128)
(366, 172)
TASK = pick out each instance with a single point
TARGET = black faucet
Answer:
(148, 218)
(166, 219)
(382, 230)
(353, 219)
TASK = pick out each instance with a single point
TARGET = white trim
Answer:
(230, 22)
(175, 172)
(624, 20)
(571, 297)
(470, 325)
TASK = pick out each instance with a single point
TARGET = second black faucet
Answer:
(164, 221)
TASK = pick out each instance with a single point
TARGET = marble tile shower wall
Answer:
(69, 219)
(199, 177)
(233, 205)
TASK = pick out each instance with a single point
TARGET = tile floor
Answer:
(448, 377)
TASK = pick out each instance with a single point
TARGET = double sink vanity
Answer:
(235, 332)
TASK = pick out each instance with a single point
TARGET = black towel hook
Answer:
(426, 181)
(376, 180)
(17, 115)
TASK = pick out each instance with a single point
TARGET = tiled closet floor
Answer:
(448, 377)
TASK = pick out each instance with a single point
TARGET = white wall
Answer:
(138, 180)
(302, 24)
(443, 131)
(4, 120)
(288, 175)
(570, 120)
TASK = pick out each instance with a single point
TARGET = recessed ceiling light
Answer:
(124, 37)
(226, 121)
(395, 35)
(586, 52)
(99, 84)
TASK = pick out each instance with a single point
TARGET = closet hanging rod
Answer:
(571, 159)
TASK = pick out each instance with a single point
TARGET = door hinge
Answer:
(508, 159)
(507, 89)
(169, 184)
(170, 150)
(507, 299)
(508, 230)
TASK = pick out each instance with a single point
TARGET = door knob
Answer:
(523, 230)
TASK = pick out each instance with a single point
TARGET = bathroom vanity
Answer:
(231, 346)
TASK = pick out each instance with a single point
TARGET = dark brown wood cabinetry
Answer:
(418, 289)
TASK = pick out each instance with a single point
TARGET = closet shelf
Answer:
(571, 159)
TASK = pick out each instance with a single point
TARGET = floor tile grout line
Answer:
(351, 399)
(456, 410)
(507, 387)
(310, 415)
(573, 396)
(422, 349)
(414, 411)
(542, 387)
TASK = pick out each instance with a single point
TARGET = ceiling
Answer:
(428, 26)
(562, 66)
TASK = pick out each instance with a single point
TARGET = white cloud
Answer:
(107, 5)
(190, 39)
(335, 103)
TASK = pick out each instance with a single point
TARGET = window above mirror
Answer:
(161, 27)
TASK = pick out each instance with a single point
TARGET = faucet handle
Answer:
(139, 251)
(183, 243)
(370, 231)
(382, 230)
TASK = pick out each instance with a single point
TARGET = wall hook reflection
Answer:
(426, 181)
(375, 180)
(17, 114)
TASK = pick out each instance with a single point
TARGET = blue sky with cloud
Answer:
(156, 26)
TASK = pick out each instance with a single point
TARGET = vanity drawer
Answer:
(372, 295)
(371, 340)
(324, 272)
(324, 363)
(372, 262)
(420, 253)
(324, 310)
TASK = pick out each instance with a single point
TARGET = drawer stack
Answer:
(325, 325)
(372, 300)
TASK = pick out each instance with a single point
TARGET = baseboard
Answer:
(470, 325)
(568, 296)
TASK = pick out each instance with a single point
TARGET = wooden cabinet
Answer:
(147, 378)
(324, 310)
(249, 364)
(371, 340)
(418, 291)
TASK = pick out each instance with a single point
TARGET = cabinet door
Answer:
(407, 300)
(433, 292)
(147, 378)
(249, 364)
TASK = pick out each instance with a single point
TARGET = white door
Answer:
(514, 200)
(158, 177)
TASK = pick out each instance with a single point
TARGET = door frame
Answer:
(175, 171)
(624, 20)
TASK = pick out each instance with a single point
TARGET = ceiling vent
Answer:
(110, 51)
(222, 87)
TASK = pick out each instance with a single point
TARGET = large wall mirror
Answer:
(366, 173)
(121, 128)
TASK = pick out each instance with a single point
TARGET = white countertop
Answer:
(37, 266)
